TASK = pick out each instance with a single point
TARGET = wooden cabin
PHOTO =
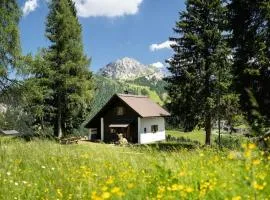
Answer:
(137, 118)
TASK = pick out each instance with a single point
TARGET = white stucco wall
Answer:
(150, 137)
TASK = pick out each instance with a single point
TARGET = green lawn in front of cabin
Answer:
(196, 135)
(230, 141)
(199, 135)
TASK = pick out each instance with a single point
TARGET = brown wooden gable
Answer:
(136, 106)
(108, 112)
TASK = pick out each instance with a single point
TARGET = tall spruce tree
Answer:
(61, 72)
(199, 68)
(9, 38)
(250, 26)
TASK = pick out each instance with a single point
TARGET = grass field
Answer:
(47, 170)
(196, 135)
(199, 135)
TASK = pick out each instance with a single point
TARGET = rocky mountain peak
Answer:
(129, 68)
(127, 61)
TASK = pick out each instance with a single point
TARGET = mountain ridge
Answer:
(130, 69)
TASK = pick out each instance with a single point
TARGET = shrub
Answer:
(231, 142)
(181, 139)
(38, 132)
(173, 146)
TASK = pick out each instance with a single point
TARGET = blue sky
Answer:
(112, 29)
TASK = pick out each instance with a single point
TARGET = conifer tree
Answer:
(72, 82)
(61, 72)
(250, 26)
(199, 67)
(9, 38)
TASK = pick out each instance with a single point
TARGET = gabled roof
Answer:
(144, 106)
(141, 105)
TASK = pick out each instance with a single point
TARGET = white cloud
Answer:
(107, 8)
(29, 6)
(158, 65)
(164, 45)
(95, 8)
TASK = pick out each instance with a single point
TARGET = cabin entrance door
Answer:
(121, 129)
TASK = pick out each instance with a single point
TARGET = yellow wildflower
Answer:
(106, 195)
(130, 185)
(189, 189)
(258, 186)
(231, 155)
(59, 192)
(104, 188)
(237, 198)
(251, 146)
(109, 181)
(161, 189)
(176, 187)
(115, 190)
(256, 162)
(95, 197)
(247, 154)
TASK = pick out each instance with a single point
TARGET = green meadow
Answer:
(43, 169)
(196, 135)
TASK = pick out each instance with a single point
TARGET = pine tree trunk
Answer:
(208, 127)
(59, 127)
(59, 119)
